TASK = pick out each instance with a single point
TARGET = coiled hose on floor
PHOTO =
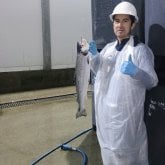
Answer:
(83, 154)
(65, 147)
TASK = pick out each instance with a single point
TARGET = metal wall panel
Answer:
(20, 35)
(69, 21)
(155, 100)
(155, 34)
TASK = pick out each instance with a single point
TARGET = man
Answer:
(124, 69)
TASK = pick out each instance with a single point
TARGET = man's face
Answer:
(122, 26)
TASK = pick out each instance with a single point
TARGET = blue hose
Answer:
(66, 147)
(83, 154)
(85, 157)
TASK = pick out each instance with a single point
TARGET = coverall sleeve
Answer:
(96, 60)
(146, 71)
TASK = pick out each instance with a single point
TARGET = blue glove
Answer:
(93, 47)
(129, 68)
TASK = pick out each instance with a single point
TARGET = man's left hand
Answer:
(129, 68)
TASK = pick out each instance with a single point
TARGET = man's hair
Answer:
(130, 16)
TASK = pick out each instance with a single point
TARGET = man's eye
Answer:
(126, 20)
(116, 21)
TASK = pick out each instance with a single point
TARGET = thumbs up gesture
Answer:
(128, 67)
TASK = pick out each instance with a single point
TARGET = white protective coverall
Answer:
(119, 103)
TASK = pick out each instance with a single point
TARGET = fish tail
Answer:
(81, 113)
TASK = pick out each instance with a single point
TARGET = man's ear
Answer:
(133, 26)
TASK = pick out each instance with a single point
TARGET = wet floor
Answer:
(28, 131)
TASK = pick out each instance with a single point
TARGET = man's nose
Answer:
(120, 24)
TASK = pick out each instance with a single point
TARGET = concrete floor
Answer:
(29, 131)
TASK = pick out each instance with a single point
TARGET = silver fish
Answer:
(82, 76)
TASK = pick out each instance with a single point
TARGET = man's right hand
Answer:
(93, 48)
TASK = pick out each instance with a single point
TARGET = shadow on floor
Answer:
(91, 147)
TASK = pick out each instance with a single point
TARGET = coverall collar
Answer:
(119, 46)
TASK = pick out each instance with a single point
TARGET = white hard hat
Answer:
(125, 8)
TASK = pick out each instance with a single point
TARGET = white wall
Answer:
(70, 20)
(21, 33)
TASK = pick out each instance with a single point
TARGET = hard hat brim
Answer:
(113, 14)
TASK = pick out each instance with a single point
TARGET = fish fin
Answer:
(81, 113)
(88, 60)
(74, 78)
(78, 47)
